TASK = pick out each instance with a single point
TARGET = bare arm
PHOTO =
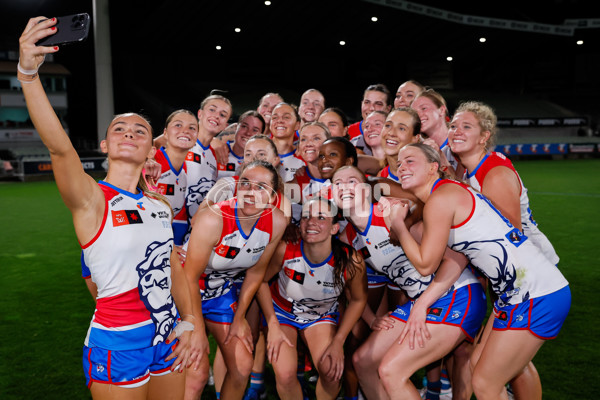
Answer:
(200, 247)
(252, 281)
(78, 190)
(356, 294)
(503, 188)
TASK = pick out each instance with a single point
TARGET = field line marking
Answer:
(566, 194)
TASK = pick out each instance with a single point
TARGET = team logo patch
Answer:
(456, 314)
(516, 237)
(193, 157)
(126, 217)
(227, 251)
(226, 167)
(99, 368)
(294, 275)
(435, 311)
(165, 189)
(502, 316)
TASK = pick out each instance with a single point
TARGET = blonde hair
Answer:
(432, 156)
(485, 116)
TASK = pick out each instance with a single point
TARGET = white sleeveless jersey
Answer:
(290, 163)
(382, 256)
(359, 143)
(445, 148)
(172, 183)
(303, 289)
(129, 260)
(236, 251)
(201, 175)
(530, 228)
(234, 162)
(517, 269)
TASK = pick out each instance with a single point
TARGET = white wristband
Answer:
(29, 71)
(182, 327)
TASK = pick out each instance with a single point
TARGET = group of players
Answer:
(275, 240)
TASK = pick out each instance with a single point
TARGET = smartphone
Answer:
(69, 29)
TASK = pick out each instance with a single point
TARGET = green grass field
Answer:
(45, 308)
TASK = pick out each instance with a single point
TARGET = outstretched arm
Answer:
(79, 191)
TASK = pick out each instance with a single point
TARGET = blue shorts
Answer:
(542, 316)
(126, 368)
(285, 318)
(465, 308)
(221, 309)
(376, 279)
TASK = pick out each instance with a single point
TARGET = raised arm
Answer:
(79, 191)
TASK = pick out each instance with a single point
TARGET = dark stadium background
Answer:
(164, 53)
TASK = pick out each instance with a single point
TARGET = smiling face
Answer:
(260, 149)
(129, 137)
(414, 170)
(373, 100)
(181, 131)
(266, 106)
(247, 128)
(316, 223)
(255, 190)
(406, 94)
(431, 116)
(334, 122)
(349, 188)
(465, 134)
(311, 139)
(283, 122)
(214, 116)
(372, 129)
(397, 132)
(332, 155)
(312, 105)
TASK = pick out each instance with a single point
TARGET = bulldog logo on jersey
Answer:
(154, 287)
(196, 193)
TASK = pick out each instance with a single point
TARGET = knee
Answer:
(241, 368)
(286, 377)
(195, 381)
(482, 387)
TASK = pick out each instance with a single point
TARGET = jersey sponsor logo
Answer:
(126, 217)
(226, 167)
(140, 205)
(296, 276)
(502, 316)
(193, 157)
(364, 252)
(227, 251)
(116, 200)
(381, 244)
(166, 189)
(437, 311)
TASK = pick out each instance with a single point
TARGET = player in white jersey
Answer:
(201, 161)
(227, 239)
(533, 296)
(472, 135)
(454, 316)
(127, 238)
(181, 132)
(285, 121)
(302, 301)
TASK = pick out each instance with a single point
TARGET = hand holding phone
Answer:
(69, 29)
